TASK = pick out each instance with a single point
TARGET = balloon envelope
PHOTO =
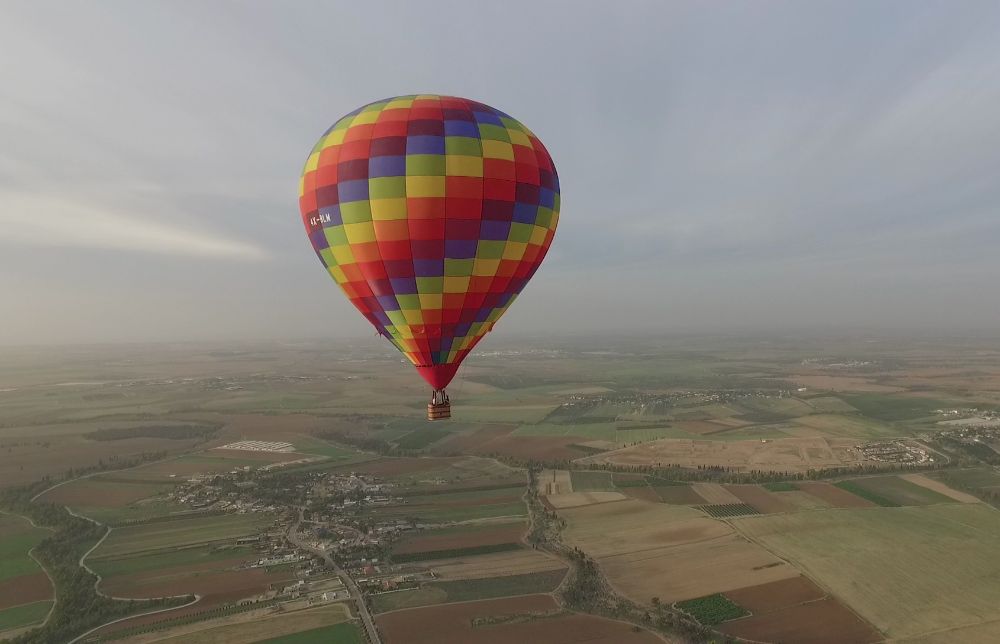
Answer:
(431, 213)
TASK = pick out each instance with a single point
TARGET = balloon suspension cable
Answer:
(439, 408)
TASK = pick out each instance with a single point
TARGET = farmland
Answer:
(24, 587)
(441, 507)
(532, 619)
(926, 568)
(178, 532)
(671, 552)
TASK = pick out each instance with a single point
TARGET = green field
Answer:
(895, 490)
(421, 438)
(780, 486)
(110, 567)
(887, 407)
(24, 615)
(713, 609)
(17, 537)
(909, 571)
(867, 493)
(469, 590)
(979, 478)
(346, 633)
(455, 552)
(584, 481)
(168, 534)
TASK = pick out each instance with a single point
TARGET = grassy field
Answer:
(909, 571)
(345, 633)
(17, 537)
(167, 534)
(24, 615)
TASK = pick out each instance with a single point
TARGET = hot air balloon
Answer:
(431, 213)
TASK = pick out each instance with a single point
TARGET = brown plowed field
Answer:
(714, 493)
(644, 493)
(679, 495)
(24, 590)
(763, 501)
(833, 495)
(504, 533)
(825, 621)
(776, 595)
(454, 623)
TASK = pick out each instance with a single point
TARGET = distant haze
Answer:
(723, 165)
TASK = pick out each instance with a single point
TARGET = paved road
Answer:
(352, 588)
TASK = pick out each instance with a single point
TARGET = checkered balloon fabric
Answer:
(431, 213)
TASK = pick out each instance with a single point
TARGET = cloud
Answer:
(41, 220)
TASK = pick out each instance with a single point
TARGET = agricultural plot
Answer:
(796, 610)
(844, 426)
(714, 493)
(339, 633)
(459, 506)
(679, 495)
(23, 615)
(834, 496)
(761, 499)
(459, 538)
(515, 562)
(712, 610)
(308, 623)
(584, 481)
(530, 619)
(180, 532)
(22, 581)
(469, 590)
(891, 408)
(109, 567)
(576, 499)
(671, 552)
(777, 453)
(925, 569)
(727, 510)
(896, 490)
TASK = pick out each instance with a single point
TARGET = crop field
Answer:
(712, 610)
(179, 532)
(713, 493)
(671, 552)
(530, 619)
(796, 610)
(242, 628)
(23, 615)
(781, 453)
(583, 481)
(925, 568)
(515, 562)
(727, 510)
(469, 590)
(897, 490)
(833, 495)
(459, 538)
(888, 407)
(459, 506)
(939, 487)
(130, 564)
(94, 492)
(761, 499)
(576, 499)
(22, 581)
(844, 426)
(679, 495)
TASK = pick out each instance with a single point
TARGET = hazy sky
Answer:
(723, 165)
